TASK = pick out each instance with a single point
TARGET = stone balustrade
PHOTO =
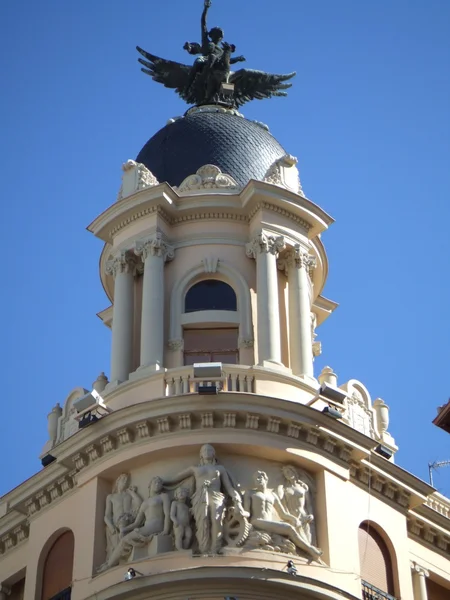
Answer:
(234, 379)
(440, 504)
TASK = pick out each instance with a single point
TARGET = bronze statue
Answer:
(210, 80)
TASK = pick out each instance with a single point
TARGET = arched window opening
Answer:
(58, 566)
(210, 294)
(211, 345)
(375, 563)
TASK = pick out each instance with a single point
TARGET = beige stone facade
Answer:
(207, 483)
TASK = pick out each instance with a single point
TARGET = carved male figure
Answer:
(295, 495)
(261, 502)
(212, 488)
(180, 516)
(153, 518)
(121, 509)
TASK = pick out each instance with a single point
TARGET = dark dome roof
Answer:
(240, 148)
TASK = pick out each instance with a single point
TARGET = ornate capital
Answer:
(300, 259)
(208, 177)
(124, 262)
(421, 571)
(154, 246)
(264, 243)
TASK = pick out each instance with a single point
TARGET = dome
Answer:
(241, 148)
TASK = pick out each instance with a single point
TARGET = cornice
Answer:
(429, 533)
(176, 209)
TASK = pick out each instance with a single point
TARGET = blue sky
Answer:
(368, 118)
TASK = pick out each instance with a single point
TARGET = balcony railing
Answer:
(64, 595)
(234, 379)
(370, 592)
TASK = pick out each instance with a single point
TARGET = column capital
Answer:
(421, 571)
(298, 258)
(124, 262)
(263, 243)
(154, 246)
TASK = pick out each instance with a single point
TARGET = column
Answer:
(122, 268)
(154, 252)
(419, 582)
(298, 263)
(265, 248)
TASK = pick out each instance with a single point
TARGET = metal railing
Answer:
(370, 592)
(64, 595)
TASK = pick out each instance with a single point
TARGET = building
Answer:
(214, 463)
(442, 419)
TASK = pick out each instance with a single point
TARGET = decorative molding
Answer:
(210, 264)
(225, 272)
(136, 177)
(421, 571)
(265, 244)
(124, 262)
(297, 258)
(207, 215)
(282, 211)
(208, 177)
(421, 531)
(154, 246)
(284, 173)
(138, 215)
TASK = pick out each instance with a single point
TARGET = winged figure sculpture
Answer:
(210, 79)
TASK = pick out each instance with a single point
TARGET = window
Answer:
(211, 345)
(375, 561)
(210, 294)
(57, 574)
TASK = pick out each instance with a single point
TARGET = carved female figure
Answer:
(212, 488)
(296, 497)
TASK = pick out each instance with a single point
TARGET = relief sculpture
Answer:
(262, 503)
(205, 511)
(121, 510)
(213, 491)
(153, 518)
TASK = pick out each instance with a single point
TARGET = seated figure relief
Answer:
(261, 504)
(122, 507)
(152, 519)
(204, 509)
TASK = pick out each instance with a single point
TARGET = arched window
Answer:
(58, 565)
(375, 561)
(210, 294)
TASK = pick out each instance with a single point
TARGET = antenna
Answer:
(436, 465)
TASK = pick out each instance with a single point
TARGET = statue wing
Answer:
(257, 85)
(171, 74)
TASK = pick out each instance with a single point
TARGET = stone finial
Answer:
(52, 422)
(328, 376)
(100, 383)
(382, 412)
